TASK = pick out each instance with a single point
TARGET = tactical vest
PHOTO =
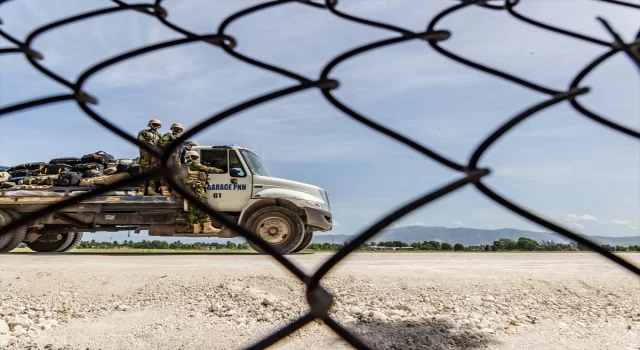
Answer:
(194, 175)
(154, 135)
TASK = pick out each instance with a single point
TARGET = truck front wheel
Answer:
(277, 226)
(308, 236)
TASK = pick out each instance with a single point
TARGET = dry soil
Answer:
(389, 300)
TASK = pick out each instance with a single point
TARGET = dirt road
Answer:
(391, 300)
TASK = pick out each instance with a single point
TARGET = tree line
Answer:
(157, 244)
(501, 245)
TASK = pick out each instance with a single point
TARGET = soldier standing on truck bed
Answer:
(195, 180)
(165, 140)
(147, 161)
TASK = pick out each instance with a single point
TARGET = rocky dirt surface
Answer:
(390, 300)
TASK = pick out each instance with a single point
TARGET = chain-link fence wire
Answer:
(318, 298)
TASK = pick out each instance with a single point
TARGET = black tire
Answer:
(50, 247)
(76, 241)
(308, 236)
(5, 219)
(16, 236)
(290, 238)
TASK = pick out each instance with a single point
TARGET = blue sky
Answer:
(558, 163)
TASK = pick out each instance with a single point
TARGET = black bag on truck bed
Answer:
(27, 166)
(98, 157)
(81, 168)
(21, 173)
(65, 160)
(68, 178)
(122, 167)
(131, 169)
(54, 169)
(92, 173)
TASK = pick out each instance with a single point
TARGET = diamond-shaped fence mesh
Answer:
(319, 299)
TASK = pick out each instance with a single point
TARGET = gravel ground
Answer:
(391, 300)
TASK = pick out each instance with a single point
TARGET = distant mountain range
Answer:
(468, 236)
(408, 234)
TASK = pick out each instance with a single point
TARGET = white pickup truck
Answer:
(284, 213)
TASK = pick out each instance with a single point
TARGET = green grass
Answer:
(142, 251)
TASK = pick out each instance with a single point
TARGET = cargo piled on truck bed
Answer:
(284, 213)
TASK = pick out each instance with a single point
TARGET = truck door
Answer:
(231, 190)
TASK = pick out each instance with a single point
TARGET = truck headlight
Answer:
(318, 205)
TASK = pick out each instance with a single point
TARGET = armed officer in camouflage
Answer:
(151, 137)
(165, 140)
(195, 180)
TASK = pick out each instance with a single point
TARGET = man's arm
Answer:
(204, 168)
(142, 136)
(145, 137)
(164, 140)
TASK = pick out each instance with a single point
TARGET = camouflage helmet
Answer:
(191, 143)
(191, 154)
(177, 125)
(154, 121)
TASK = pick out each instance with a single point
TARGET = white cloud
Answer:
(490, 226)
(628, 223)
(584, 217)
(578, 226)
(336, 223)
(621, 222)
(419, 223)
(572, 217)
(459, 223)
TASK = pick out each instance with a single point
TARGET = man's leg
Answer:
(194, 219)
(152, 187)
(166, 186)
(144, 167)
(205, 219)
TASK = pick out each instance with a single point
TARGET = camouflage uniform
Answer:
(164, 141)
(195, 180)
(147, 161)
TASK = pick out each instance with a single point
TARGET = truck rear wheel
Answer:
(277, 226)
(308, 236)
(13, 238)
(43, 246)
(4, 220)
(76, 241)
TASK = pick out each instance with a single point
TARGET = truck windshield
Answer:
(254, 163)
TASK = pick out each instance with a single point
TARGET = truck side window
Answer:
(234, 164)
(215, 158)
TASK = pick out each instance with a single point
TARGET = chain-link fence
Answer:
(319, 299)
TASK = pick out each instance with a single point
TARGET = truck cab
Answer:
(280, 211)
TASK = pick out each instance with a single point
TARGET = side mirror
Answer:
(235, 172)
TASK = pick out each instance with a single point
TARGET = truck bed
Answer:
(46, 196)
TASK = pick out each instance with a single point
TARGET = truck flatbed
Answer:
(63, 191)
